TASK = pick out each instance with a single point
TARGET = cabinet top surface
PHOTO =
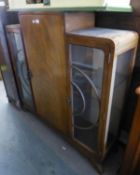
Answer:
(115, 35)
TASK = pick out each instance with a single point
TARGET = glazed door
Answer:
(7, 71)
(44, 42)
(87, 65)
(21, 72)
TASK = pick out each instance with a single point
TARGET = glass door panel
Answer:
(122, 77)
(87, 76)
(22, 73)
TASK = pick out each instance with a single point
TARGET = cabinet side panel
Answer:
(121, 82)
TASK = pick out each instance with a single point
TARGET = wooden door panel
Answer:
(44, 42)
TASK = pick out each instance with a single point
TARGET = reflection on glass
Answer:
(122, 76)
(21, 70)
(87, 75)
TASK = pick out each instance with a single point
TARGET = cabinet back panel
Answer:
(79, 20)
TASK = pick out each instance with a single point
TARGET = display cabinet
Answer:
(80, 76)
(5, 63)
(101, 63)
(18, 60)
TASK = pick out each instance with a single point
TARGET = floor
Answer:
(28, 147)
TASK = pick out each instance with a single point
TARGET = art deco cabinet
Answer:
(80, 75)
(21, 72)
(101, 63)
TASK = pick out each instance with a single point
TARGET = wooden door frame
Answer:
(107, 46)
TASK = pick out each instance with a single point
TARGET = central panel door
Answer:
(43, 36)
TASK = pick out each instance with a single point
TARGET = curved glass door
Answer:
(87, 76)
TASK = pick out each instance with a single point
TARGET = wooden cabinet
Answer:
(5, 63)
(21, 72)
(80, 75)
(131, 165)
(44, 39)
(101, 63)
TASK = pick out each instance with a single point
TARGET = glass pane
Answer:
(122, 77)
(87, 76)
(7, 72)
(22, 71)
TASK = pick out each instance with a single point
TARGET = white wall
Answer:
(118, 3)
(13, 4)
